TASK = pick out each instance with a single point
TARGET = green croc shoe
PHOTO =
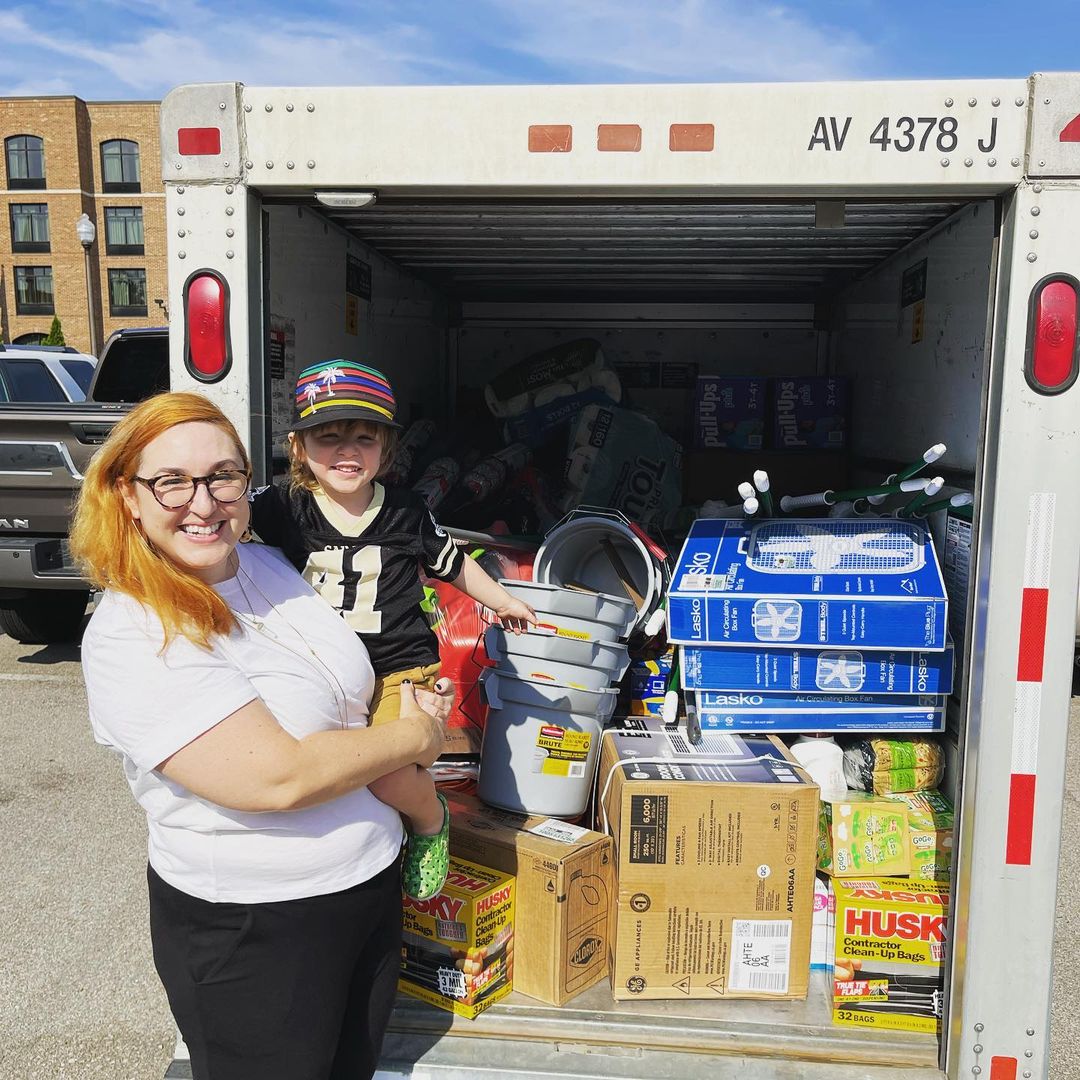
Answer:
(426, 861)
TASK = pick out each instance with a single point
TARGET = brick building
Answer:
(64, 157)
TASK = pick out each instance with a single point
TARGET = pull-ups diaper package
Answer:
(787, 582)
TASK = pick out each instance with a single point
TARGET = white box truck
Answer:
(921, 238)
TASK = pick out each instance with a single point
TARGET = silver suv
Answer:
(44, 373)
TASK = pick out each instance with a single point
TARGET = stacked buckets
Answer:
(551, 692)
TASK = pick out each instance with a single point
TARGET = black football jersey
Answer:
(372, 577)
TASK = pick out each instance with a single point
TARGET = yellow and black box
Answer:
(457, 949)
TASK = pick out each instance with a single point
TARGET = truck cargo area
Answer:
(896, 295)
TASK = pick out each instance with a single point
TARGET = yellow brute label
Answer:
(564, 752)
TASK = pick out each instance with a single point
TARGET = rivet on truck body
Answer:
(1035, 211)
(1015, 161)
(1029, 1053)
(288, 108)
(1042, 163)
(948, 103)
(247, 108)
(269, 107)
(229, 189)
(1032, 256)
(968, 162)
(181, 233)
(1020, 101)
(1031, 1031)
(228, 254)
(229, 211)
(181, 254)
(311, 164)
(1046, 101)
(944, 162)
(269, 164)
(1034, 234)
(1036, 188)
(247, 164)
(973, 102)
(977, 1048)
(180, 211)
(976, 1070)
(980, 1027)
(221, 105)
(310, 108)
(179, 165)
(290, 164)
(230, 233)
(992, 162)
(995, 102)
(180, 190)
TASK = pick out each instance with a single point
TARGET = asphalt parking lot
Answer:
(81, 1000)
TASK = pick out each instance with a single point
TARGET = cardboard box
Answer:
(847, 671)
(457, 949)
(810, 412)
(890, 940)
(714, 864)
(788, 582)
(930, 834)
(728, 412)
(740, 710)
(863, 835)
(564, 881)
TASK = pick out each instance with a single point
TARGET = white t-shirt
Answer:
(147, 706)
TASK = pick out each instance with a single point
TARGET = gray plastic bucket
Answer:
(551, 599)
(572, 552)
(538, 757)
(584, 665)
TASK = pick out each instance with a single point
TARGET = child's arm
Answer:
(514, 614)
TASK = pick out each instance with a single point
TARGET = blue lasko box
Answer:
(748, 711)
(712, 667)
(864, 583)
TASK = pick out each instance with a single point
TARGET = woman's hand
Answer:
(515, 614)
(427, 720)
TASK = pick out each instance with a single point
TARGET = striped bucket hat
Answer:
(343, 390)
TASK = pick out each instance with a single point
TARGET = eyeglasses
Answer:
(176, 490)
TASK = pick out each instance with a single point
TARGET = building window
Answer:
(25, 155)
(33, 290)
(127, 292)
(30, 339)
(29, 227)
(123, 230)
(120, 166)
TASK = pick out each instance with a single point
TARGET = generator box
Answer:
(787, 582)
(457, 949)
(715, 848)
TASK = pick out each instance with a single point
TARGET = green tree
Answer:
(55, 335)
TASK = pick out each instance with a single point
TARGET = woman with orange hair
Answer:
(238, 701)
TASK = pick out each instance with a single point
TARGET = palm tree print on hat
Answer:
(331, 376)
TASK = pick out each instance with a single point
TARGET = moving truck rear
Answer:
(916, 239)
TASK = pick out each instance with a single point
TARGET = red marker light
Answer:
(197, 142)
(1052, 354)
(207, 348)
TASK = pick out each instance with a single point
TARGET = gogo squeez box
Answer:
(837, 582)
(715, 853)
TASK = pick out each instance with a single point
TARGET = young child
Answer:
(360, 546)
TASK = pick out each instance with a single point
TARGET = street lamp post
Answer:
(86, 232)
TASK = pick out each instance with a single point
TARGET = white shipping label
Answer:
(562, 831)
(451, 982)
(760, 955)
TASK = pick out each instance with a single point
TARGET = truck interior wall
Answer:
(400, 329)
(912, 389)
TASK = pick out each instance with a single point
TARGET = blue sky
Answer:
(129, 49)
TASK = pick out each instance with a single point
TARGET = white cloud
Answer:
(141, 48)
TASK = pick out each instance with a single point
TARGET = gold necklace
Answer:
(249, 618)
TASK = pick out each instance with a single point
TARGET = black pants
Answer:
(291, 990)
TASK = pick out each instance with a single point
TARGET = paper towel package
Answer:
(775, 713)
(709, 667)
(848, 582)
